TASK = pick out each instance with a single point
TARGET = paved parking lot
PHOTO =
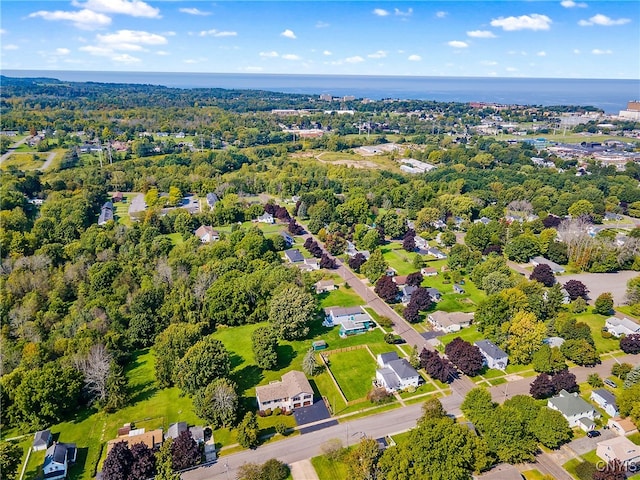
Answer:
(598, 283)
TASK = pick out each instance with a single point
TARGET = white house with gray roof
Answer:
(535, 261)
(605, 400)
(574, 409)
(494, 356)
(395, 373)
(293, 391)
(621, 326)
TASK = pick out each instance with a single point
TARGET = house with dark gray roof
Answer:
(605, 400)
(574, 409)
(535, 261)
(57, 460)
(41, 440)
(212, 199)
(293, 255)
(106, 213)
(494, 356)
(175, 429)
(396, 373)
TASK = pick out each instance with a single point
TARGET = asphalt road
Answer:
(12, 149)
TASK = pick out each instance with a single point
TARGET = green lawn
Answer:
(399, 259)
(596, 322)
(341, 296)
(534, 475)
(24, 161)
(470, 334)
(353, 370)
(328, 469)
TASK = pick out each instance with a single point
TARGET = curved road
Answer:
(12, 149)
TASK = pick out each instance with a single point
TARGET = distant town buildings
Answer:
(632, 112)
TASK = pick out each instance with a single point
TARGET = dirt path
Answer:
(12, 149)
(50, 158)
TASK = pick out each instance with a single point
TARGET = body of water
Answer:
(609, 95)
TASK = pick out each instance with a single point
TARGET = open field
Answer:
(596, 322)
(24, 161)
(341, 296)
(353, 370)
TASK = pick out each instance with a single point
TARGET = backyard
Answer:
(353, 370)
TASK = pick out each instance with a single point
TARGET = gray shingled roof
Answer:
(490, 349)
(606, 395)
(294, 255)
(570, 405)
(402, 368)
(388, 357)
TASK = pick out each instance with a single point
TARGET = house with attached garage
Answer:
(266, 218)
(287, 237)
(395, 373)
(212, 199)
(293, 255)
(434, 252)
(449, 322)
(494, 356)
(429, 271)
(352, 320)
(325, 286)
(621, 326)
(621, 449)
(622, 426)
(207, 234)
(535, 261)
(293, 391)
(57, 460)
(577, 411)
(605, 400)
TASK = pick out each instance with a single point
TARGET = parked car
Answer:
(593, 433)
(610, 383)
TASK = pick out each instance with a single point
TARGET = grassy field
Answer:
(24, 161)
(342, 296)
(533, 475)
(596, 322)
(470, 334)
(328, 469)
(353, 370)
(399, 259)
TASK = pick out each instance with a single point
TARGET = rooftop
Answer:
(292, 383)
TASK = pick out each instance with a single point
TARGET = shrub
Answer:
(390, 338)
(385, 322)
(277, 411)
(267, 412)
(281, 428)
(605, 334)
(378, 395)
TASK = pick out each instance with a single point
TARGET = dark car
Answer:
(593, 433)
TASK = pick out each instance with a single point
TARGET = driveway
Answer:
(313, 413)
(585, 444)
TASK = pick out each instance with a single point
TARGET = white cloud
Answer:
(215, 33)
(288, 34)
(414, 58)
(378, 54)
(457, 44)
(327, 53)
(271, 54)
(400, 13)
(130, 39)
(62, 51)
(511, 69)
(125, 58)
(441, 14)
(488, 63)
(321, 24)
(541, 53)
(195, 11)
(3, 31)
(253, 69)
(381, 12)
(11, 46)
(597, 51)
(163, 53)
(572, 4)
(290, 56)
(603, 20)
(355, 59)
(190, 61)
(481, 34)
(535, 21)
(134, 8)
(83, 19)
(576, 51)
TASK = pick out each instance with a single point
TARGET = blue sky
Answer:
(559, 39)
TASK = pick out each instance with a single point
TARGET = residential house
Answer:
(429, 271)
(175, 429)
(483, 220)
(421, 243)
(352, 251)
(400, 280)
(293, 255)
(458, 289)
(266, 218)
(395, 373)
(41, 440)
(621, 326)
(117, 197)
(574, 409)
(605, 400)
(207, 234)
(293, 391)
(434, 293)
(535, 261)
(622, 426)
(325, 286)
(449, 322)
(312, 263)
(212, 199)
(352, 320)
(494, 356)
(152, 439)
(406, 292)
(434, 252)
(554, 341)
(106, 213)
(57, 460)
(287, 238)
(619, 448)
